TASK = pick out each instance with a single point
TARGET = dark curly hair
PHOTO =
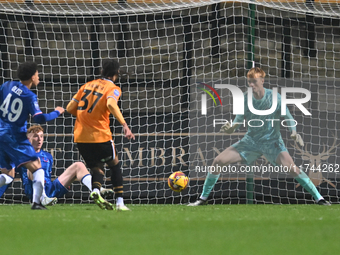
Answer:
(110, 68)
(26, 70)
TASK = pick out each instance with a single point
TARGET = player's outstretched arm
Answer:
(127, 132)
(60, 109)
(297, 138)
(228, 128)
(43, 117)
(114, 109)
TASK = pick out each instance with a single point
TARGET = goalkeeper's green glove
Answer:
(297, 138)
(227, 128)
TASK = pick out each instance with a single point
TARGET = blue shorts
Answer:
(251, 151)
(17, 153)
(55, 189)
(52, 189)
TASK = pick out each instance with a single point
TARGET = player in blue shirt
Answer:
(57, 188)
(17, 102)
(262, 138)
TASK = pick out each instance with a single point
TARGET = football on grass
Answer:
(178, 181)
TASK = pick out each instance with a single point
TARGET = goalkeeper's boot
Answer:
(122, 208)
(46, 201)
(101, 202)
(37, 206)
(199, 202)
(324, 202)
(106, 192)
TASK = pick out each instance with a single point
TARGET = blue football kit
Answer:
(52, 188)
(17, 102)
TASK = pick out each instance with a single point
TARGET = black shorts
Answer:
(95, 154)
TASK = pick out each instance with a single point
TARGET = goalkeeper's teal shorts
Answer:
(250, 151)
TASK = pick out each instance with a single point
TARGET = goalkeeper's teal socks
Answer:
(305, 182)
(209, 183)
(302, 178)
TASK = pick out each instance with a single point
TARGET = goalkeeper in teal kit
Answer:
(262, 138)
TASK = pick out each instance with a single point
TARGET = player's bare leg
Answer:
(38, 183)
(227, 157)
(286, 160)
(76, 172)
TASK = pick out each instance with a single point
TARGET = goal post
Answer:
(167, 51)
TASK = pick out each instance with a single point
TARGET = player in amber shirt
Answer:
(92, 106)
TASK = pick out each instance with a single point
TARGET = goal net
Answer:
(169, 51)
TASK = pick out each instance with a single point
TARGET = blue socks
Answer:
(209, 183)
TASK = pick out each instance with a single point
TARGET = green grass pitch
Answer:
(171, 229)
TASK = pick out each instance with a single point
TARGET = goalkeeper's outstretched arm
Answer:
(228, 128)
(295, 136)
